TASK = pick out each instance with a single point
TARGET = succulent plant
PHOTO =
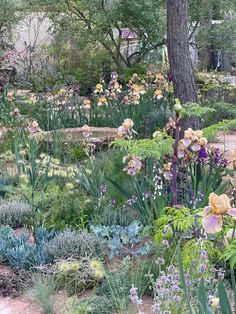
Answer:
(73, 244)
(19, 253)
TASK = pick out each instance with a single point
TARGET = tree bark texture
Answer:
(179, 56)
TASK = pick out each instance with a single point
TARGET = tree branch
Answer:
(162, 43)
(193, 30)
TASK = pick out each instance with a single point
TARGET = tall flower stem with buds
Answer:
(175, 161)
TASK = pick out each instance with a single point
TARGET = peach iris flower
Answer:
(219, 205)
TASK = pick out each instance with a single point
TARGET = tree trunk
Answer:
(179, 56)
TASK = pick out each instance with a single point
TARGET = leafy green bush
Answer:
(211, 131)
(90, 70)
(73, 244)
(14, 213)
(95, 305)
(139, 69)
(223, 111)
(77, 275)
(67, 211)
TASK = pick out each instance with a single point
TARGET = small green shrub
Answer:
(139, 69)
(222, 112)
(95, 305)
(212, 131)
(14, 213)
(67, 211)
(73, 244)
(77, 275)
(116, 287)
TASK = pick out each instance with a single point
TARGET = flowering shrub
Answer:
(152, 194)
(108, 106)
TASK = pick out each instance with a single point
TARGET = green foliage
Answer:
(217, 35)
(68, 210)
(140, 275)
(138, 69)
(223, 111)
(79, 16)
(77, 153)
(108, 216)
(190, 252)
(10, 15)
(77, 275)
(42, 291)
(14, 213)
(211, 132)
(34, 170)
(147, 148)
(147, 209)
(73, 244)
(93, 64)
(183, 281)
(91, 180)
(179, 220)
(206, 178)
(95, 172)
(202, 298)
(192, 109)
(230, 253)
(224, 301)
(94, 305)
(116, 286)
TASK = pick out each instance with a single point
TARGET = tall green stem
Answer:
(174, 163)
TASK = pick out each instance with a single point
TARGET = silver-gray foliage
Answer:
(14, 213)
(73, 244)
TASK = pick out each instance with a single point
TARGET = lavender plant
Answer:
(14, 213)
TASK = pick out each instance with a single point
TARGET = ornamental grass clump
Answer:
(42, 291)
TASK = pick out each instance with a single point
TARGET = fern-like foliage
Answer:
(147, 148)
(211, 131)
(192, 109)
(191, 252)
(226, 109)
(177, 220)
